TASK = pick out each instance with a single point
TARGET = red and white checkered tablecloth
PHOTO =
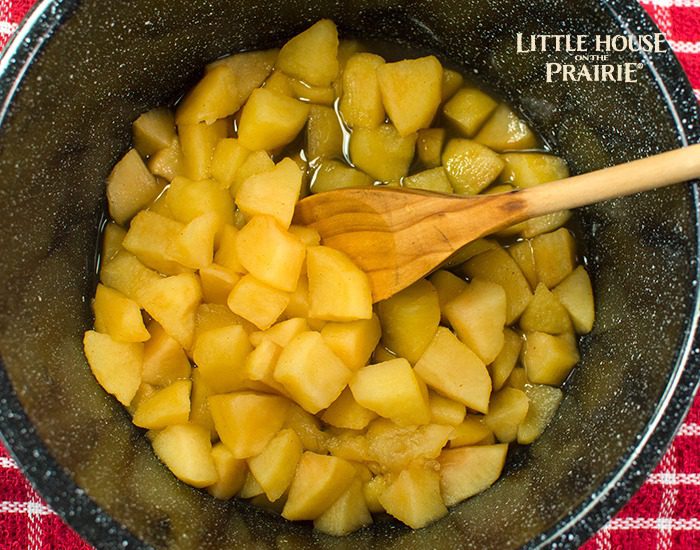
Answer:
(663, 514)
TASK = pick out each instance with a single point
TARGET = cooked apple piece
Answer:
(345, 412)
(435, 180)
(468, 251)
(468, 109)
(197, 142)
(112, 238)
(555, 256)
(347, 514)
(338, 289)
(451, 83)
(324, 137)
(319, 481)
(153, 130)
(280, 83)
(506, 131)
(429, 145)
(257, 162)
(168, 163)
(452, 369)
(165, 407)
(470, 166)
(517, 379)
(312, 56)
(275, 466)
(220, 355)
(273, 193)
(193, 247)
(250, 69)
(308, 428)
(164, 360)
(333, 174)
(215, 96)
(189, 199)
(260, 365)
(270, 253)
(506, 360)
(149, 238)
(392, 390)
(270, 120)
(444, 410)
(172, 302)
(507, 410)
(199, 406)
(549, 359)
(226, 254)
(281, 333)
(478, 316)
(414, 497)
(353, 341)
(411, 92)
(448, 287)
(471, 431)
(467, 471)
(257, 302)
(523, 255)
(217, 283)
(545, 313)
(543, 224)
(213, 316)
(251, 488)
(116, 365)
(228, 157)
(576, 295)
(118, 316)
(307, 235)
(544, 402)
(186, 450)
(320, 95)
(382, 152)
(307, 357)
(393, 447)
(130, 187)
(497, 266)
(529, 169)
(409, 319)
(246, 421)
(125, 273)
(231, 470)
(361, 102)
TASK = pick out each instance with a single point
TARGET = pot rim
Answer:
(84, 515)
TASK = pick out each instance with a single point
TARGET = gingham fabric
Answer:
(663, 514)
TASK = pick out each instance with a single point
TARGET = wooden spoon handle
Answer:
(617, 181)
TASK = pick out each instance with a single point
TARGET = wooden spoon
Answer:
(398, 236)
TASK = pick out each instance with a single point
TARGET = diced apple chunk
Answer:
(308, 357)
(452, 369)
(275, 466)
(150, 237)
(395, 447)
(347, 514)
(506, 360)
(523, 255)
(172, 302)
(434, 180)
(478, 316)
(257, 302)
(338, 289)
(549, 359)
(270, 253)
(409, 319)
(472, 431)
(231, 470)
(576, 295)
(215, 96)
(446, 411)
(168, 163)
(250, 70)
(246, 421)
(165, 407)
(125, 273)
(354, 341)
(272, 193)
(529, 169)
(382, 152)
(555, 256)
(324, 136)
(270, 120)
(361, 102)
(186, 451)
(429, 144)
(505, 131)
(414, 497)
(411, 92)
(470, 166)
(545, 314)
(118, 316)
(392, 390)
(197, 142)
(312, 56)
(217, 283)
(544, 402)
(507, 410)
(130, 187)
(220, 355)
(468, 109)
(345, 412)
(164, 360)
(229, 155)
(153, 131)
(333, 174)
(116, 365)
(467, 471)
(319, 481)
(193, 247)
(188, 199)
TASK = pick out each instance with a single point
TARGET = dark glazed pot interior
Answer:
(83, 74)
